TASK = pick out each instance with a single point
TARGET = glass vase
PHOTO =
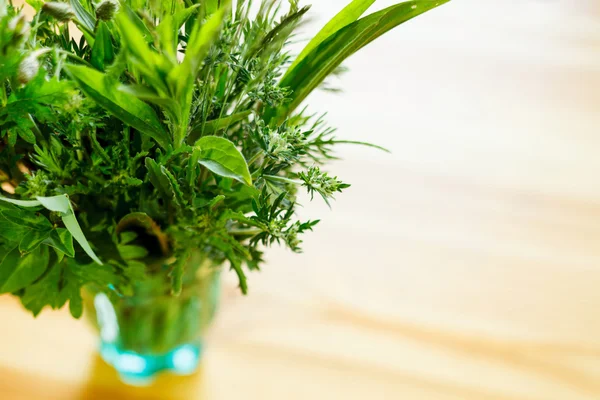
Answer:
(148, 333)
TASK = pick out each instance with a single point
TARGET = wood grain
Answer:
(465, 265)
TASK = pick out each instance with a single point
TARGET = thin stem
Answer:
(361, 144)
(76, 58)
(283, 179)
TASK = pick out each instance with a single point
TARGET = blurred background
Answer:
(463, 265)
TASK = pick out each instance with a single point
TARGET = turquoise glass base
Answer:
(141, 369)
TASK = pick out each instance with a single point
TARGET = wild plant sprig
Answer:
(156, 129)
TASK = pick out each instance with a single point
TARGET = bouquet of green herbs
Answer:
(136, 133)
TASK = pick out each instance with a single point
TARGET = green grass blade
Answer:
(326, 57)
(84, 17)
(124, 106)
(348, 15)
(102, 51)
(62, 205)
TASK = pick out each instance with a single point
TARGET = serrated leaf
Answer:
(159, 180)
(17, 272)
(174, 186)
(32, 240)
(126, 107)
(214, 202)
(44, 292)
(221, 157)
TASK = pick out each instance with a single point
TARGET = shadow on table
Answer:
(104, 384)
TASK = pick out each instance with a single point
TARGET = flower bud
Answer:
(19, 28)
(106, 10)
(28, 69)
(30, 66)
(61, 11)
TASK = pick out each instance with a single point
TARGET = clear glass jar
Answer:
(148, 333)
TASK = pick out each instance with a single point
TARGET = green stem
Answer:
(360, 143)
(254, 158)
(3, 96)
(76, 58)
(283, 179)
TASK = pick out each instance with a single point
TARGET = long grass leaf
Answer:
(326, 57)
(348, 15)
(124, 106)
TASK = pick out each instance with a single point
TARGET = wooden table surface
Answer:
(466, 265)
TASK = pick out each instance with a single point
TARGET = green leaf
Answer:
(62, 240)
(32, 240)
(221, 157)
(236, 265)
(312, 70)
(58, 203)
(17, 272)
(148, 95)
(210, 6)
(174, 186)
(11, 232)
(76, 304)
(177, 271)
(127, 108)
(131, 252)
(159, 180)
(216, 125)
(73, 226)
(214, 202)
(21, 203)
(141, 26)
(142, 220)
(127, 237)
(152, 65)
(102, 52)
(200, 40)
(26, 135)
(349, 14)
(62, 205)
(27, 219)
(84, 17)
(44, 292)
